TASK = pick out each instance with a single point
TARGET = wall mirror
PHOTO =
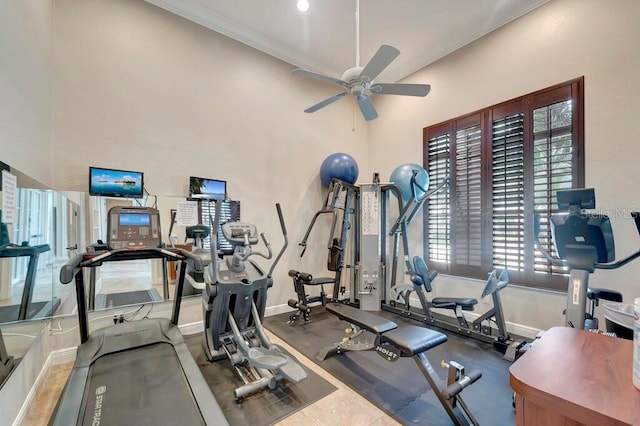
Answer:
(28, 255)
(128, 283)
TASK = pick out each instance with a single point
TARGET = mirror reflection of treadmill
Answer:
(132, 228)
(26, 309)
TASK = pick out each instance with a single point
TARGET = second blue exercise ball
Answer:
(401, 177)
(340, 166)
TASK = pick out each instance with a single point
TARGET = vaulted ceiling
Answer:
(323, 39)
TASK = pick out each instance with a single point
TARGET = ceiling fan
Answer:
(359, 81)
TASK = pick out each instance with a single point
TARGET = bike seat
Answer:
(594, 293)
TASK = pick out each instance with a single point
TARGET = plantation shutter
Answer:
(507, 162)
(508, 213)
(552, 168)
(438, 222)
(468, 195)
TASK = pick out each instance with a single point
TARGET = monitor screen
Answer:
(134, 219)
(115, 183)
(207, 189)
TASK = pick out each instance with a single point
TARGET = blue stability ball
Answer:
(339, 165)
(401, 177)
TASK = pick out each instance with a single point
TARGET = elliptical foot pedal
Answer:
(292, 370)
(264, 358)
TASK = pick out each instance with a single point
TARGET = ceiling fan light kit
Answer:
(359, 81)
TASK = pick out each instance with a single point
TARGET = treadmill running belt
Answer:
(140, 386)
(10, 313)
(128, 298)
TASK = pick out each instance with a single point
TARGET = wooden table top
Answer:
(584, 376)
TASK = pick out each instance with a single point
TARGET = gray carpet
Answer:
(399, 388)
(264, 408)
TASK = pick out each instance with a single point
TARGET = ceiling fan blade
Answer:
(366, 106)
(401, 89)
(315, 76)
(325, 102)
(383, 57)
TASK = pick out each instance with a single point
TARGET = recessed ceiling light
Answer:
(303, 5)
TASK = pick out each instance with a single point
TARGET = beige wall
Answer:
(559, 41)
(138, 88)
(26, 130)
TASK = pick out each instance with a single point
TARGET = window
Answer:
(506, 163)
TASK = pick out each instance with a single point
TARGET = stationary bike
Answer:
(584, 242)
(234, 301)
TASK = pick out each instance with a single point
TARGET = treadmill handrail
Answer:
(16, 250)
(146, 253)
(71, 268)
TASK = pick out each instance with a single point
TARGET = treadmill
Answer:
(7, 363)
(129, 227)
(26, 309)
(138, 372)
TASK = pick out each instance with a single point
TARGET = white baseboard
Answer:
(32, 393)
(191, 328)
(61, 356)
(278, 309)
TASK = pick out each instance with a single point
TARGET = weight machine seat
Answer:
(362, 319)
(307, 279)
(413, 339)
(421, 275)
(466, 303)
(594, 293)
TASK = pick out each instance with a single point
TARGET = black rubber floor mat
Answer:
(263, 408)
(399, 388)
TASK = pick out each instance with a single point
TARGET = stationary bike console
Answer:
(584, 242)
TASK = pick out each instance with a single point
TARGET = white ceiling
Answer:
(323, 39)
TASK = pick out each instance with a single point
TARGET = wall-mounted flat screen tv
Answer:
(115, 183)
(207, 189)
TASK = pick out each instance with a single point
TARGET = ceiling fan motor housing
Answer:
(351, 75)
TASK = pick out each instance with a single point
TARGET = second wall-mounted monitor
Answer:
(115, 183)
(207, 189)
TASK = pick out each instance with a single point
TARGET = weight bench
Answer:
(393, 342)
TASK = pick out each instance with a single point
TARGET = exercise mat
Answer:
(399, 388)
(263, 408)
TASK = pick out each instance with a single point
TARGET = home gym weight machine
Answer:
(339, 205)
(234, 302)
(584, 242)
(373, 257)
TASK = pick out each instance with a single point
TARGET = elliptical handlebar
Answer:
(286, 240)
(540, 247)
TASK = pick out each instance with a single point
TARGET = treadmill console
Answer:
(133, 227)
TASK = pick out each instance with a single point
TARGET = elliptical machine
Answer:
(584, 242)
(234, 302)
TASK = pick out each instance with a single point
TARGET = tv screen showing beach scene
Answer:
(115, 183)
(207, 189)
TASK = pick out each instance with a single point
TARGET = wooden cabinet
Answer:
(574, 377)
